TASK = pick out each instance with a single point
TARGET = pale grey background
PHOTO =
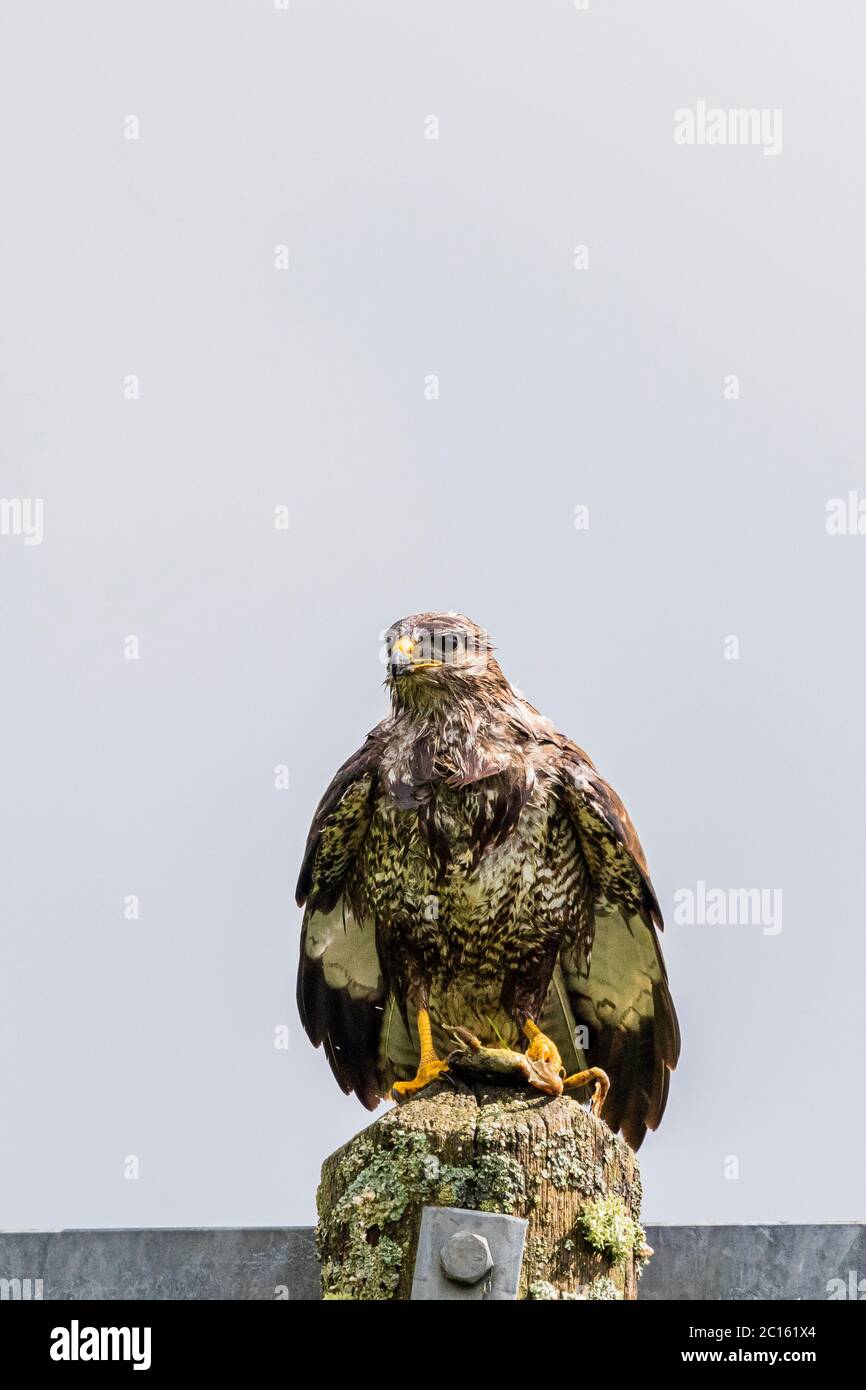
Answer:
(305, 387)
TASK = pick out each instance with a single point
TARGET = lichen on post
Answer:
(488, 1149)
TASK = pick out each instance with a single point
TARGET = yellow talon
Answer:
(429, 1066)
(602, 1086)
(427, 1072)
(542, 1049)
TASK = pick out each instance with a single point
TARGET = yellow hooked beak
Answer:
(401, 656)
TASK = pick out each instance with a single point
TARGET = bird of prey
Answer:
(469, 868)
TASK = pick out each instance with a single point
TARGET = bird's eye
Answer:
(452, 643)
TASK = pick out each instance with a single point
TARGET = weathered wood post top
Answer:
(490, 1149)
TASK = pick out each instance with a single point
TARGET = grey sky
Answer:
(602, 387)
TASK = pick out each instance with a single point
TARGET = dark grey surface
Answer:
(690, 1262)
(268, 1262)
(753, 1262)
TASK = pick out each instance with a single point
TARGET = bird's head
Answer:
(435, 659)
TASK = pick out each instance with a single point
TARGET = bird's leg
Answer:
(582, 1078)
(541, 1048)
(543, 1060)
(429, 1065)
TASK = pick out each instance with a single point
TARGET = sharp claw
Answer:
(542, 1051)
(602, 1086)
(543, 1076)
(427, 1073)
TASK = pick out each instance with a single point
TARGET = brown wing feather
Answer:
(340, 990)
(617, 983)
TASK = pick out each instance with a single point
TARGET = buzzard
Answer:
(469, 869)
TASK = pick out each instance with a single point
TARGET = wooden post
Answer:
(489, 1149)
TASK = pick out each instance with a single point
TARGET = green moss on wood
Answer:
(608, 1226)
(603, 1289)
(542, 1291)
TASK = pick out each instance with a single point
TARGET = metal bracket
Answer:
(468, 1254)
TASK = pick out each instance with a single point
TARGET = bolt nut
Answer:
(466, 1258)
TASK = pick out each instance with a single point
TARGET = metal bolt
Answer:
(466, 1257)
